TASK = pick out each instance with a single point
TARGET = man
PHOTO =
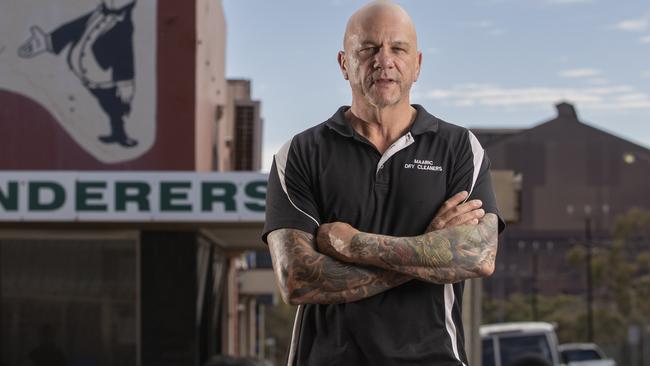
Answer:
(100, 54)
(393, 195)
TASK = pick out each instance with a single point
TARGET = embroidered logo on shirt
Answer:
(423, 165)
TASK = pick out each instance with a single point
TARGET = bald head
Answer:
(380, 58)
(378, 14)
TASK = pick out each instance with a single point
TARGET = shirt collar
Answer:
(424, 122)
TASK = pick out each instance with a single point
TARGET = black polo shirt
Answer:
(331, 173)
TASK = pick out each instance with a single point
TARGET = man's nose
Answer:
(384, 59)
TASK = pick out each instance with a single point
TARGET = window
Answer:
(488, 352)
(580, 355)
(244, 137)
(68, 302)
(512, 348)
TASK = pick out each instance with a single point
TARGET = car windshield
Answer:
(511, 348)
(580, 355)
(488, 352)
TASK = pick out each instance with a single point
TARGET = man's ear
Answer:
(419, 64)
(343, 64)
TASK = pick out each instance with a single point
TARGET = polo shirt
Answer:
(331, 173)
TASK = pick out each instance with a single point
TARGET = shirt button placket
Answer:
(381, 174)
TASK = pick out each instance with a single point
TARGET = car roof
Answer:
(516, 327)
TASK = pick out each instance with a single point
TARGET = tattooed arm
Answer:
(443, 256)
(307, 276)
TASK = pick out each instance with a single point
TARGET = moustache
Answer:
(382, 77)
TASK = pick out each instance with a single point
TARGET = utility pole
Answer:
(588, 260)
(535, 275)
(590, 299)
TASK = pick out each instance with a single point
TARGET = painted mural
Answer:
(90, 64)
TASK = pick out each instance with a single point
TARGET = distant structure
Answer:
(574, 180)
(238, 139)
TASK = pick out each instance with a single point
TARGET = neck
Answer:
(381, 126)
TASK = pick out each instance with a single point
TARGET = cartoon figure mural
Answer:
(100, 53)
(90, 65)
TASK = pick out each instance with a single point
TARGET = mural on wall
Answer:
(91, 65)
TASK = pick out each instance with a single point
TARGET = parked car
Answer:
(507, 344)
(584, 354)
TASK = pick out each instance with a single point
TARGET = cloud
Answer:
(598, 81)
(552, 2)
(487, 26)
(645, 74)
(496, 32)
(645, 39)
(618, 97)
(633, 25)
(481, 24)
(579, 73)
(632, 97)
(568, 1)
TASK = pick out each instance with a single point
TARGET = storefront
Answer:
(119, 245)
(135, 268)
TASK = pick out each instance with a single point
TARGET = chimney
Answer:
(566, 111)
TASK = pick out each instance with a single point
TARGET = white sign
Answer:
(91, 64)
(132, 196)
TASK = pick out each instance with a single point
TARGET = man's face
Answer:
(381, 60)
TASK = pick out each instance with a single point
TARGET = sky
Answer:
(486, 63)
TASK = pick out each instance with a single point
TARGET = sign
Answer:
(132, 197)
(90, 64)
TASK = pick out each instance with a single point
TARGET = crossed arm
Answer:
(443, 256)
(307, 276)
(344, 265)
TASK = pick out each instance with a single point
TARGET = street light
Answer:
(535, 245)
(588, 244)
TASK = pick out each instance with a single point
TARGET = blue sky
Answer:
(487, 63)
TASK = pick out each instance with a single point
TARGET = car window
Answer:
(580, 355)
(488, 352)
(512, 348)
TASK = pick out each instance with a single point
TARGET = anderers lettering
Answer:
(161, 196)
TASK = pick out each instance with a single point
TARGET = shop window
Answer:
(68, 302)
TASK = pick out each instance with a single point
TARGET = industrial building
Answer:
(572, 181)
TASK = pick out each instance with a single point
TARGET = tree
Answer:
(621, 280)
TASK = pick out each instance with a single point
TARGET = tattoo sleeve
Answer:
(306, 276)
(443, 256)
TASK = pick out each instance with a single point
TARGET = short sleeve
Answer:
(472, 173)
(290, 202)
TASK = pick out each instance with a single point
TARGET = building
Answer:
(572, 178)
(239, 132)
(119, 245)
(252, 285)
